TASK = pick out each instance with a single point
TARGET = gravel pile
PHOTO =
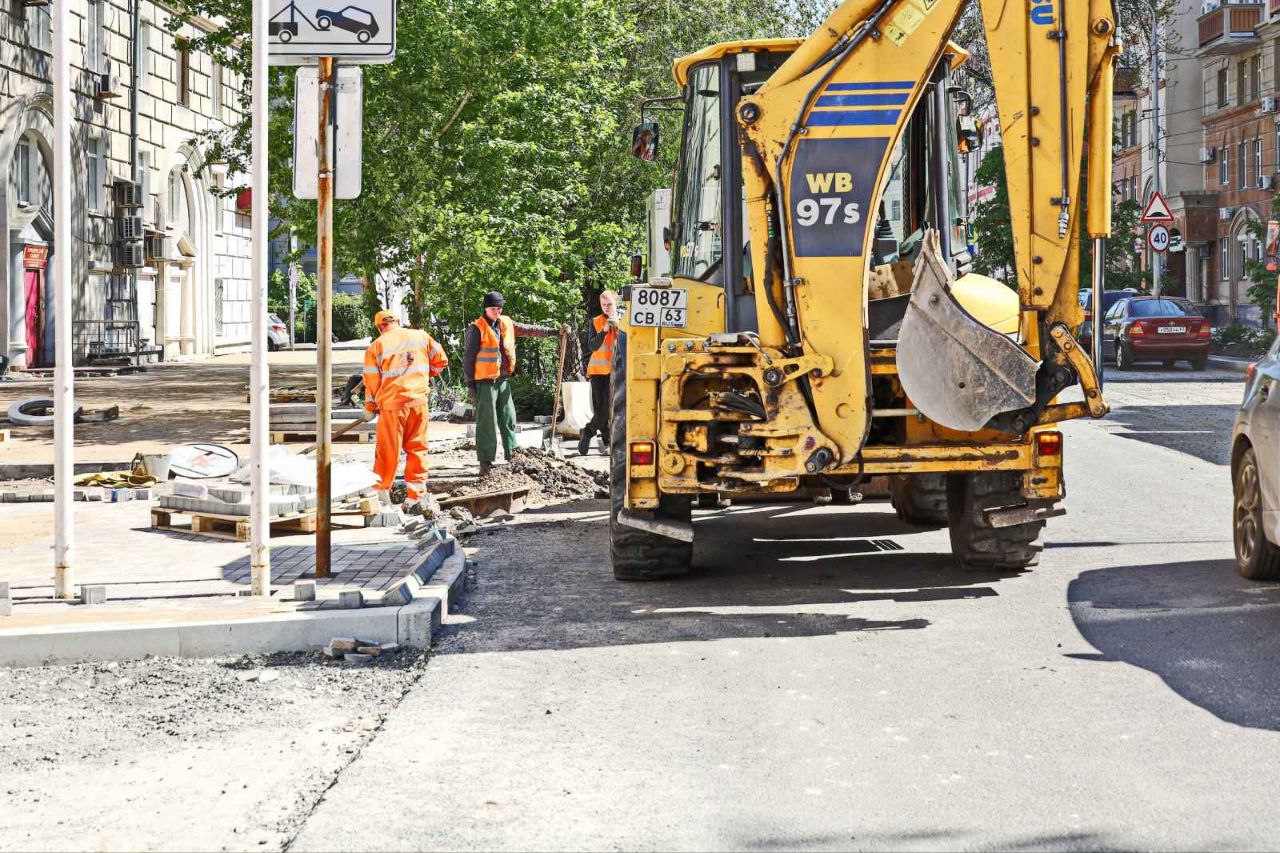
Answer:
(545, 475)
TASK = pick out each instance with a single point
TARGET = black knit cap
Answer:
(493, 299)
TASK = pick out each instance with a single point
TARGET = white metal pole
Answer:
(1156, 259)
(259, 373)
(64, 578)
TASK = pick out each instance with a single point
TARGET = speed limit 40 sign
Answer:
(1158, 238)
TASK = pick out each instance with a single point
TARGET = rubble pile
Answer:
(544, 474)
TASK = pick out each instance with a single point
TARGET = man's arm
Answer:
(436, 357)
(470, 348)
(526, 330)
(372, 377)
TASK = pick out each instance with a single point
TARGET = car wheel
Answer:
(323, 22)
(1256, 558)
(286, 36)
(1124, 358)
(363, 36)
(1200, 363)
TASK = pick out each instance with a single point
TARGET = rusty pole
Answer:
(324, 317)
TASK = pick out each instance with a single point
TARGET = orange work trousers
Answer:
(402, 429)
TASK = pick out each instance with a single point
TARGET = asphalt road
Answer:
(807, 688)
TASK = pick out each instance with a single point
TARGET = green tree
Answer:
(1262, 287)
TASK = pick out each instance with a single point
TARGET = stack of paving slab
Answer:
(300, 419)
(223, 496)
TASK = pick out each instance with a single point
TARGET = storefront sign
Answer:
(35, 257)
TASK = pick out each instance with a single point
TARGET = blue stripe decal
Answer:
(856, 87)
(886, 100)
(839, 118)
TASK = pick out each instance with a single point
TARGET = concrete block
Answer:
(80, 495)
(119, 496)
(350, 599)
(142, 494)
(402, 593)
(4, 590)
(6, 606)
(344, 644)
(304, 591)
(93, 594)
(418, 621)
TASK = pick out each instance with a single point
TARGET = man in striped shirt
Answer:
(398, 367)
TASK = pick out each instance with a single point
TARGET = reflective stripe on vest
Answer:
(489, 355)
(601, 363)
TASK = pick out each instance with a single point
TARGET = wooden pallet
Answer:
(236, 527)
(353, 437)
(6, 437)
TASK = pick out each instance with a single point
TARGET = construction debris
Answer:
(546, 476)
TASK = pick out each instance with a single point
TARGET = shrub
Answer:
(531, 397)
(1240, 341)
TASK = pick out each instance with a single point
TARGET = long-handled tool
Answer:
(364, 418)
(550, 434)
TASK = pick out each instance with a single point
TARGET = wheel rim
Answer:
(1248, 517)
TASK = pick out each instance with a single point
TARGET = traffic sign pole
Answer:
(324, 320)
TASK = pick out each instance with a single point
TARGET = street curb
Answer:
(44, 470)
(437, 588)
(1239, 365)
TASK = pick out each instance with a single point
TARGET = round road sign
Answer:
(1158, 238)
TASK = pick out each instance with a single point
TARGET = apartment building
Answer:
(1238, 46)
(160, 251)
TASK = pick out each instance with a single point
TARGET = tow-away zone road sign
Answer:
(302, 31)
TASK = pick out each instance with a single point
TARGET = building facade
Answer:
(184, 289)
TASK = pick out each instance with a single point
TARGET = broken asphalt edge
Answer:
(411, 625)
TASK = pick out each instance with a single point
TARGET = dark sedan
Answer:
(1255, 471)
(353, 19)
(1167, 329)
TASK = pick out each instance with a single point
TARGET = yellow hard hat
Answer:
(383, 316)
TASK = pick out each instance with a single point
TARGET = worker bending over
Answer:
(489, 360)
(600, 372)
(398, 367)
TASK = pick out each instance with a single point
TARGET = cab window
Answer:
(698, 220)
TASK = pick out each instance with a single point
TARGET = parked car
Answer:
(1255, 471)
(1109, 298)
(277, 333)
(1167, 329)
(353, 19)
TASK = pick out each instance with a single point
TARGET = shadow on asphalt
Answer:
(1211, 635)
(1203, 431)
(758, 572)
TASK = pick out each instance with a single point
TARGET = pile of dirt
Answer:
(546, 476)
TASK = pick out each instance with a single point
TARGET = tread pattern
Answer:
(920, 498)
(977, 545)
(637, 555)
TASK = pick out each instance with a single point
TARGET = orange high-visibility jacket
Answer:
(601, 363)
(493, 351)
(398, 367)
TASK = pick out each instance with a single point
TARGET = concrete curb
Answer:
(435, 586)
(1239, 365)
(44, 470)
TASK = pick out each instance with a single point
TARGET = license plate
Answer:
(1172, 330)
(661, 307)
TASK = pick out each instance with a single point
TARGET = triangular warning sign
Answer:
(1157, 210)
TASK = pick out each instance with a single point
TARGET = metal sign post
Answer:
(259, 371)
(324, 318)
(64, 576)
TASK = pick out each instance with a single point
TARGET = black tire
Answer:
(638, 555)
(286, 36)
(1256, 558)
(324, 22)
(919, 498)
(1124, 358)
(977, 545)
(363, 36)
(1169, 363)
(1200, 363)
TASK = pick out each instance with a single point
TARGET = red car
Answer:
(1167, 329)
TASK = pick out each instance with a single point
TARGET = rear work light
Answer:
(642, 453)
(1049, 443)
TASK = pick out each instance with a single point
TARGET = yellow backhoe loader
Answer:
(820, 324)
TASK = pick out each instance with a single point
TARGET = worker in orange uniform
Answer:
(398, 367)
(600, 372)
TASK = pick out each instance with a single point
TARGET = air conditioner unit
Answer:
(1226, 212)
(1208, 154)
(106, 85)
(1268, 105)
(161, 248)
(128, 226)
(127, 194)
(130, 256)
(1267, 182)
(35, 2)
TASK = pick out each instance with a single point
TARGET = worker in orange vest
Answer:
(398, 367)
(600, 373)
(489, 360)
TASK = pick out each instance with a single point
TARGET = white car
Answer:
(277, 333)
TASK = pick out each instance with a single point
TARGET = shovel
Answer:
(549, 437)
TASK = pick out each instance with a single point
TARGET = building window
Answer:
(1222, 87)
(97, 173)
(1242, 81)
(145, 66)
(22, 167)
(95, 37)
(1257, 162)
(1255, 77)
(40, 28)
(1224, 166)
(144, 180)
(184, 72)
(1275, 63)
(216, 93)
(1241, 181)
(1225, 262)
(219, 205)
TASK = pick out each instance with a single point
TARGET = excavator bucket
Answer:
(956, 371)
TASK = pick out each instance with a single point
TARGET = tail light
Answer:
(642, 453)
(1249, 373)
(1204, 331)
(1049, 443)
(277, 327)
(1136, 329)
(1088, 316)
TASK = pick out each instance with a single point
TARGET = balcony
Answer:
(1229, 28)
